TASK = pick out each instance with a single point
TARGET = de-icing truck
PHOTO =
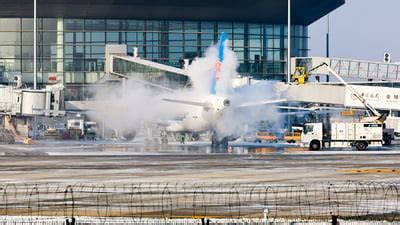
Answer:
(342, 135)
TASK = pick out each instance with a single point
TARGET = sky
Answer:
(360, 29)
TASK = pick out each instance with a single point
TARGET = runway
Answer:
(124, 163)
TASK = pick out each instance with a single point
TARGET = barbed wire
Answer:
(349, 200)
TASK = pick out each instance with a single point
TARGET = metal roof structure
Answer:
(304, 12)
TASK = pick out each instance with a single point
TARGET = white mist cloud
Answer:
(236, 121)
(129, 107)
(202, 71)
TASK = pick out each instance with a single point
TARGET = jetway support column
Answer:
(60, 50)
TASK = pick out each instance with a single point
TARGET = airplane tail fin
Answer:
(221, 56)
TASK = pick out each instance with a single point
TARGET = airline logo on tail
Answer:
(221, 48)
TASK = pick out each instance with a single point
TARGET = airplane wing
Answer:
(141, 81)
(297, 108)
(314, 110)
(299, 113)
(266, 102)
(317, 108)
(200, 104)
(153, 85)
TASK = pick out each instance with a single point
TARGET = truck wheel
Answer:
(214, 141)
(361, 145)
(315, 145)
(225, 143)
(387, 142)
(128, 135)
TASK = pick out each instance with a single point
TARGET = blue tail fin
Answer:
(221, 56)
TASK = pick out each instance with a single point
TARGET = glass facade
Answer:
(73, 49)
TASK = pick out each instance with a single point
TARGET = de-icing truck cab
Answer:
(342, 135)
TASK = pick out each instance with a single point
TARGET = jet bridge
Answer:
(19, 101)
(379, 97)
(349, 68)
(119, 64)
(24, 105)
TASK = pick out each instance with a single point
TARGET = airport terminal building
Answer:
(72, 35)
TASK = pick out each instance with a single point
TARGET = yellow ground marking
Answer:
(301, 149)
(377, 171)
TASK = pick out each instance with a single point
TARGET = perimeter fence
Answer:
(13, 220)
(350, 200)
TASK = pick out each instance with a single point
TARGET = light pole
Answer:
(289, 48)
(327, 35)
(34, 45)
(34, 61)
(327, 42)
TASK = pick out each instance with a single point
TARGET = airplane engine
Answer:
(227, 102)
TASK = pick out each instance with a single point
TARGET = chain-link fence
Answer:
(350, 200)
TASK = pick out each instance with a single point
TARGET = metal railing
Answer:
(349, 68)
(351, 200)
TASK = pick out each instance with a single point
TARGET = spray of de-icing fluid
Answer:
(130, 108)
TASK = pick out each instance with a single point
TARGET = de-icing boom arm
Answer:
(353, 91)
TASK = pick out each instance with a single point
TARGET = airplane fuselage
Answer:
(199, 119)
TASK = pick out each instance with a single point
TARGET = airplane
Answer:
(203, 115)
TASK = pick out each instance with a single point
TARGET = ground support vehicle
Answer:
(262, 136)
(316, 136)
(81, 129)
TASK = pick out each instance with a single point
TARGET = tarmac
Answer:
(114, 162)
